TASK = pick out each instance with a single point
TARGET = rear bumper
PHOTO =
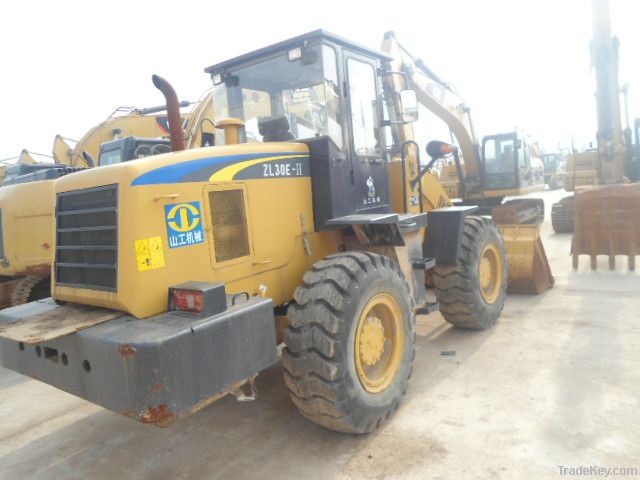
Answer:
(154, 370)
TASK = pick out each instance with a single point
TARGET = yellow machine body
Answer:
(27, 215)
(28, 208)
(582, 170)
(276, 229)
(177, 267)
(26, 230)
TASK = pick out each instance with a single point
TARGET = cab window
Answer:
(288, 96)
(110, 157)
(499, 155)
(363, 106)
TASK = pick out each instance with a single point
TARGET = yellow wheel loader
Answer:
(27, 196)
(175, 274)
(605, 180)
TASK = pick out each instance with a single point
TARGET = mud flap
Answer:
(529, 271)
(606, 223)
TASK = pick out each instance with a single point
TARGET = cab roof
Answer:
(296, 42)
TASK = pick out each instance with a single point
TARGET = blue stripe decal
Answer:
(198, 170)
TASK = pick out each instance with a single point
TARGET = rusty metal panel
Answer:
(607, 223)
(56, 322)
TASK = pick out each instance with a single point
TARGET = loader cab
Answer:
(326, 92)
(130, 148)
(507, 163)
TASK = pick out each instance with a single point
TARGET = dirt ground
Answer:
(555, 383)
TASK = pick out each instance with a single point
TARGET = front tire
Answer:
(472, 293)
(349, 347)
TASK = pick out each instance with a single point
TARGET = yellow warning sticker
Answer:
(149, 253)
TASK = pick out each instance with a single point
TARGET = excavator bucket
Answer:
(607, 223)
(529, 271)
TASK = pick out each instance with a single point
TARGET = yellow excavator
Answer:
(604, 179)
(123, 122)
(177, 276)
(25, 158)
(481, 174)
(27, 196)
(555, 167)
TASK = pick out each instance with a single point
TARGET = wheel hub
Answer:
(490, 272)
(486, 273)
(379, 342)
(372, 341)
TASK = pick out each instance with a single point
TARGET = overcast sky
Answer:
(67, 65)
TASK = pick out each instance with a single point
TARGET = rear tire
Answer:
(562, 215)
(349, 347)
(472, 293)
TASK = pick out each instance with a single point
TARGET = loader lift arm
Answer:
(440, 99)
(481, 180)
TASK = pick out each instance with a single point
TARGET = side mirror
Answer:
(437, 149)
(409, 105)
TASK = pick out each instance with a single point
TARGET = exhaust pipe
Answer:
(173, 112)
(91, 162)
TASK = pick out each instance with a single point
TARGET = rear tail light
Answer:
(188, 300)
(201, 299)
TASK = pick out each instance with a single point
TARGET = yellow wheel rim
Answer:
(491, 272)
(379, 342)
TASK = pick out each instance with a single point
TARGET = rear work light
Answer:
(198, 298)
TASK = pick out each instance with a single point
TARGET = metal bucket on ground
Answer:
(529, 271)
(607, 223)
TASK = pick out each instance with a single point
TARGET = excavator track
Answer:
(562, 215)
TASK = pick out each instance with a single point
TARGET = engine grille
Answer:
(230, 233)
(87, 238)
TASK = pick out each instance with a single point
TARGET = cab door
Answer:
(525, 172)
(368, 162)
